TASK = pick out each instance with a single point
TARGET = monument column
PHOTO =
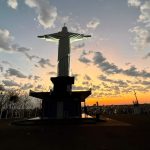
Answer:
(63, 56)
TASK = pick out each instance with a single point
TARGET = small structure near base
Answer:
(61, 102)
(136, 106)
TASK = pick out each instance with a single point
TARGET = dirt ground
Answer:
(100, 136)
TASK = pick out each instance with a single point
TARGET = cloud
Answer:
(64, 19)
(141, 39)
(95, 87)
(27, 86)
(76, 27)
(6, 44)
(36, 77)
(145, 12)
(25, 51)
(128, 63)
(30, 77)
(98, 58)
(132, 71)
(127, 90)
(14, 72)
(79, 46)
(94, 23)
(139, 88)
(47, 14)
(86, 77)
(12, 3)
(75, 75)
(39, 87)
(10, 83)
(30, 57)
(42, 62)
(52, 73)
(5, 40)
(135, 3)
(86, 83)
(78, 88)
(119, 82)
(6, 63)
(83, 58)
(100, 61)
(147, 56)
(2, 88)
(1, 68)
(36, 66)
(145, 82)
(142, 34)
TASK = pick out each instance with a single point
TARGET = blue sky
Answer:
(118, 51)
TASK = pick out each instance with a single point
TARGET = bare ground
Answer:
(100, 136)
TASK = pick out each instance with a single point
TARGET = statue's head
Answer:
(64, 29)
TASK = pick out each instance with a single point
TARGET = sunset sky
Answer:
(113, 62)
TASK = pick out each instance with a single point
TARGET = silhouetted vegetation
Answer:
(17, 104)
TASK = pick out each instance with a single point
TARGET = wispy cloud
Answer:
(47, 14)
(145, 12)
(12, 3)
(94, 23)
(43, 62)
(10, 83)
(27, 86)
(147, 56)
(7, 45)
(52, 73)
(141, 39)
(111, 68)
(141, 32)
(86, 77)
(6, 63)
(83, 57)
(1, 68)
(135, 3)
(6, 40)
(84, 60)
(104, 65)
(121, 83)
(15, 72)
(2, 88)
(78, 46)
(39, 87)
(78, 88)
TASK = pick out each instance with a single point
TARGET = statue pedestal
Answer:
(61, 102)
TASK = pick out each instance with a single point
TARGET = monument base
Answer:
(61, 102)
(46, 121)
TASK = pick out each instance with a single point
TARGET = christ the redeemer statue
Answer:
(61, 102)
(64, 37)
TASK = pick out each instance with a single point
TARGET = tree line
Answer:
(17, 104)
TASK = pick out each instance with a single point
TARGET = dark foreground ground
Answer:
(133, 133)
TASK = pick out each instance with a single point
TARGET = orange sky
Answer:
(113, 62)
(121, 100)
